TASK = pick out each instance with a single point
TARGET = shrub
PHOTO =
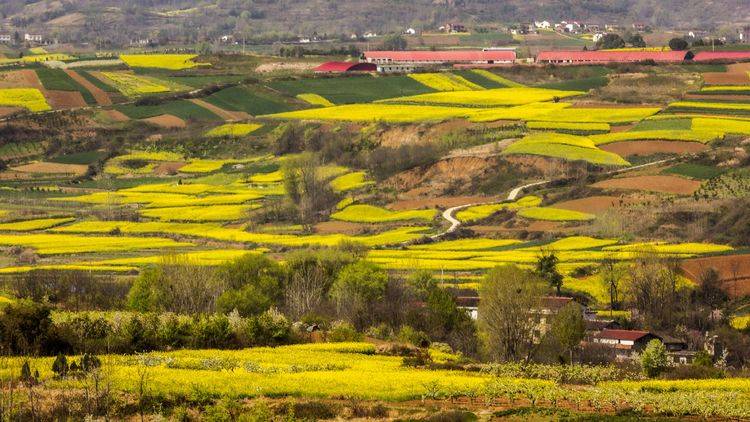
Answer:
(342, 331)
(654, 358)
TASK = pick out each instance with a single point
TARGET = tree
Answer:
(307, 188)
(508, 296)
(357, 286)
(636, 40)
(609, 41)
(178, 285)
(26, 328)
(546, 268)
(653, 289)
(568, 327)
(611, 274)
(678, 44)
(654, 358)
(394, 42)
(252, 282)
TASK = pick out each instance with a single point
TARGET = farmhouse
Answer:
(624, 342)
(345, 67)
(6, 38)
(589, 57)
(384, 59)
(707, 56)
(33, 37)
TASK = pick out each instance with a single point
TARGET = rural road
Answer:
(448, 214)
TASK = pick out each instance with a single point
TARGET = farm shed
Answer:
(440, 57)
(599, 57)
(707, 56)
(343, 67)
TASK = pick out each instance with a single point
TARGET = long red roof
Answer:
(443, 56)
(613, 56)
(346, 67)
(631, 335)
(704, 56)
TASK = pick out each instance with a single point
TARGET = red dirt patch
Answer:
(628, 148)
(101, 97)
(734, 271)
(166, 121)
(440, 176)
(227, 115)
(661, 184)
(593, 204)
(441, 202)
(64, 99)
(25, 78)
(621, 128)
(343, 227)
(116, 115)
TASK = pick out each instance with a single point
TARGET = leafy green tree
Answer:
(357, 287)
(546, 268)
(568, 327)
(654, 358)
(678, 44)
(508, 296)
(636, 40)
(609, 41)
(144, 295)
(394, 42)
(26, 328)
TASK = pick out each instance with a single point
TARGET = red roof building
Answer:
(603, 57)
(341, 67)
(441, 57)
(734, 56)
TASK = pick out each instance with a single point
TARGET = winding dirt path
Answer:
(448, 214)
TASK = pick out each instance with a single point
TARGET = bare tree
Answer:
(190, 288)
(508, 297)
(611, 275)
(653, 288)
(305, 291)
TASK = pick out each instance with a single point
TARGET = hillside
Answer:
(194, 20)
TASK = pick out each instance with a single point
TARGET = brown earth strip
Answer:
(166, 121)
(99, 95)
(339, 227)
(229, 116)
(726, 78)
(116, 115)
(25, 78)
(718, 97)
(64, 99)
(628, 148)
(51, 168)
(168, 168)
(661, 184)
(594, 204)
(7, 111)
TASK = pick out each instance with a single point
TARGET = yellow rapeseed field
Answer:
(372, 214)
(315, 99)
(161, 61)
(51, 244)
(445, 82)
(28, 98)
(488, 97)
(132, 85)
(233, 130)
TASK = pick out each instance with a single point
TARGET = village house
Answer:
(410, 31)
(542, 24)
(453, 28)
(227, 39)
(624, 343)
(34, 38)
(640, 26)
(604, 57)
(370, 34)
(6, 38)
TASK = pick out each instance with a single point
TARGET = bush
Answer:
(268, 329)
(654, 358)
(342, 331)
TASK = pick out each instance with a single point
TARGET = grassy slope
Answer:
(182, 108)
(58, 80)
(240, 98)
(354, 89)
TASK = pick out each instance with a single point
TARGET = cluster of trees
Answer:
(612, 41)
